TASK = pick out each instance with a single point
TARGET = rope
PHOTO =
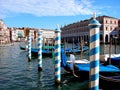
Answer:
(109, 79)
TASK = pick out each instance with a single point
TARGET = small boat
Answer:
(46, 50)
(104, 58)
(106, 72)
(23, 47)
(34, 51)
(114, 59)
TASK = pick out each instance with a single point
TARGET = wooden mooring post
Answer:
(94, 54)
(39, 51)
(29, 46)
(57, 56)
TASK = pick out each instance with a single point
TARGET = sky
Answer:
(48, 13)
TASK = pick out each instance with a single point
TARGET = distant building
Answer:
(17, 34)
(8, 34)
(48, 36)
(80, 30)
(4, 33)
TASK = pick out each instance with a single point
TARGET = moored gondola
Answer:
(109, 75)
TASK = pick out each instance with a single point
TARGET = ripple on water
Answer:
(16, 73)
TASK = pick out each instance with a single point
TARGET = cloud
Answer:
(46, 7)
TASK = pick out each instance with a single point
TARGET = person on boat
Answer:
(72, 60)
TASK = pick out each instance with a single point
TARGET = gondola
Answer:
(114, 59)
(109, 75)
(34, 51)
(46, 52)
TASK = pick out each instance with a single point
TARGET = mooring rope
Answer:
(109, 79)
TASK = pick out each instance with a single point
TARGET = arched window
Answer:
(106, 38)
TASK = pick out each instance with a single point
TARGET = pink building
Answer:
(4, 33)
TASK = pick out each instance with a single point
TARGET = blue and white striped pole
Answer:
(39, 51)
(57, 56)
(29, 46)
(94, 54)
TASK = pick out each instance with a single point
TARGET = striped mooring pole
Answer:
(29, 46)
(94, 54)
(39, 51)
(57, 56)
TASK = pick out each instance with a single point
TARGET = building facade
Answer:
(4, 33)
(18, 34)
(8, 34)
(80, 30)
(47, 35)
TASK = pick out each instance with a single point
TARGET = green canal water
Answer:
(16, 73)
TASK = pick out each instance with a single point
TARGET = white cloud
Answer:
(46, 7)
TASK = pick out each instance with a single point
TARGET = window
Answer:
(106, 21)
(110, 28)
(110, 22)
(106, 28)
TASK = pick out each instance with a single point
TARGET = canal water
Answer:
(16, 73)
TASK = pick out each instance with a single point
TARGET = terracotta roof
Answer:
(107, 16)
